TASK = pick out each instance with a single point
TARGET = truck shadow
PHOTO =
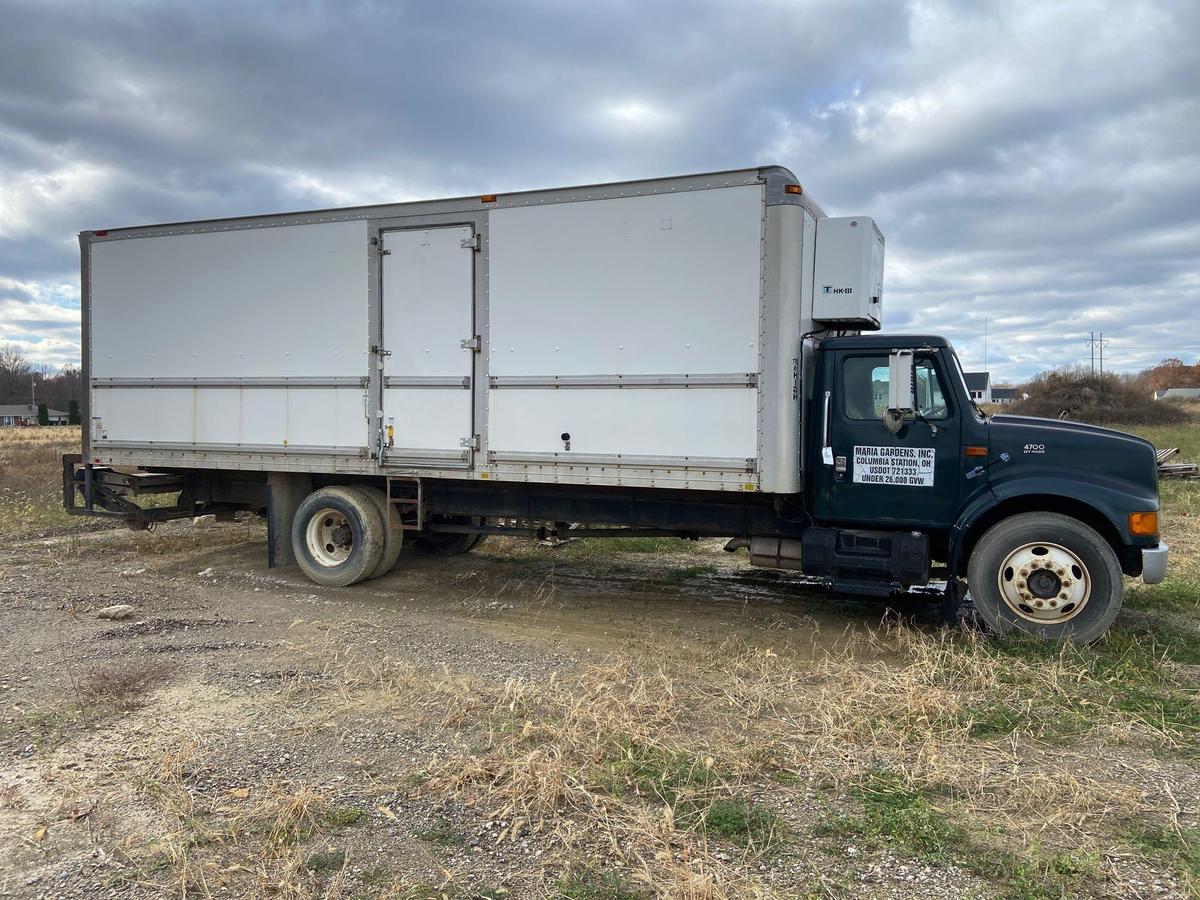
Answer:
(588, 600)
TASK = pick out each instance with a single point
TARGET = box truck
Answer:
(692, 356)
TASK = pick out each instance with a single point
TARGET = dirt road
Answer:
(517, 722)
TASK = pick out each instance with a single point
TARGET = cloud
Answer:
(1033, 165)
(42, 319)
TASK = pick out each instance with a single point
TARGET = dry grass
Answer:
(30, 477)
(253, 841)
(124, 686)
(641, 760)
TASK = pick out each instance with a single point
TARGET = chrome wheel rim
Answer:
(1044, 583)
(330, 538)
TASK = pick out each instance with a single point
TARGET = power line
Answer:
(1159, 348)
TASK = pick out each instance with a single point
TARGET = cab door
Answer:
(911, 478)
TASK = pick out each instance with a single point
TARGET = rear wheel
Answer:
(1047, 575)
(393, 534)
(338, 536)
(449, 543)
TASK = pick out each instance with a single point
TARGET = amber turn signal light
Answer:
(977, 451)
(793, 189)
(1143, 523)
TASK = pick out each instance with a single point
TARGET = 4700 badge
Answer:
(911, 466)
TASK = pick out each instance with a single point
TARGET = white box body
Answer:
(644, 333)
(849, 273)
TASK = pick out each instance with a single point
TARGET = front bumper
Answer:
(1154, 564)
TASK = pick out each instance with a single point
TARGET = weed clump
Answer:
(897, 813)
(343, 817)
(325, 861)
(1178, 847)
(124, 686)
(743, 822)
(595, 884)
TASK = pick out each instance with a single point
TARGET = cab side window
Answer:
(865, 388)
(931, 402)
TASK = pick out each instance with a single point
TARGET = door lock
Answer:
(839, 468)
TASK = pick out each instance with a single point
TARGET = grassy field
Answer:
(30, 479)
(690, 768)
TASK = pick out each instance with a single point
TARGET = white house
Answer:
(979, 384)
(26, 414)
(1006, 395)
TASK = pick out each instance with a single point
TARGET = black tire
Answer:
(393, 535)
(1100, 569)
(444, 543)
(352, 528)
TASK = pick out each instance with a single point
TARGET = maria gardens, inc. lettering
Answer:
(894, 465)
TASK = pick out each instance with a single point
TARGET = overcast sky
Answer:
(1034, 164)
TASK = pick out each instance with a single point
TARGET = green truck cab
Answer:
(1041, 517)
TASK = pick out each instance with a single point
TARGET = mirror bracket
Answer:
(900, 389)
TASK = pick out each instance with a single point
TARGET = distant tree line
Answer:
(1170, 373)
(1078, 394)
(21, 380)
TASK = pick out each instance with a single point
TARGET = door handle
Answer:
(826, 447)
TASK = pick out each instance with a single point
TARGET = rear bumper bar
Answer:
(1154, 564)
(92, 490)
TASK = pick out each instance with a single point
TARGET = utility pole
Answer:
(985, 323)
(1093, 343)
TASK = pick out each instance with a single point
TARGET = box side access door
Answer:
(428, 346)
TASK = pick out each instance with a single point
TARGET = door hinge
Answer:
(470, 443)
(471, 243)
(379, 351)
(378, 245)
(471, 343)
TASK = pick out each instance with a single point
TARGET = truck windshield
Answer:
(962, 378)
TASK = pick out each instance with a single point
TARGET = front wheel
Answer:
(1047, 575)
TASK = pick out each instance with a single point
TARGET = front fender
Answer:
(1110, 499)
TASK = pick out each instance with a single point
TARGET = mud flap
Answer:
(956, 606)
(285, 492)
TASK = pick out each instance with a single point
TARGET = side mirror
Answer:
(900, 389)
